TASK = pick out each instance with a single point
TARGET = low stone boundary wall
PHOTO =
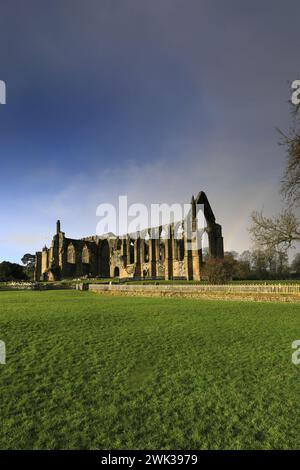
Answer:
(257, 288)
(287, 293)
(35, 286)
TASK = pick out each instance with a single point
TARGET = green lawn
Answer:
(91, 372)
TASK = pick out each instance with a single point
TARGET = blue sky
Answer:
(155, 100)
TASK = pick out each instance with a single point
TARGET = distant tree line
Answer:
(12, 272)
(251, 265)
(16, 272)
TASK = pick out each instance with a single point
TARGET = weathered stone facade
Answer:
(132, 255)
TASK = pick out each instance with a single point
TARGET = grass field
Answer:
(90, 372)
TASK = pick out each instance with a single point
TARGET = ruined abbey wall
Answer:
(132, 255)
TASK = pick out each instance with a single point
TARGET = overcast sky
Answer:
(153, 99)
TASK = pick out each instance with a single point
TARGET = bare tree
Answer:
(291, 178)
(282, 231)
(279, 232)
(290, 184)
(295, 266)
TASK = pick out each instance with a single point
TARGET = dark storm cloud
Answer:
(155, 99)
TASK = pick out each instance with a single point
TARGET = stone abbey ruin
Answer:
(132, 255)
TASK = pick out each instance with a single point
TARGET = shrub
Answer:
(220, 271)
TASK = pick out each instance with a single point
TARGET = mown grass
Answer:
(86, 371)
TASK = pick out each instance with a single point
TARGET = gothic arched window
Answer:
(85, 255)
(71, 255)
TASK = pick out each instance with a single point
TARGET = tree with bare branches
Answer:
(282, 231)
(290, 187)
(279, 232)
